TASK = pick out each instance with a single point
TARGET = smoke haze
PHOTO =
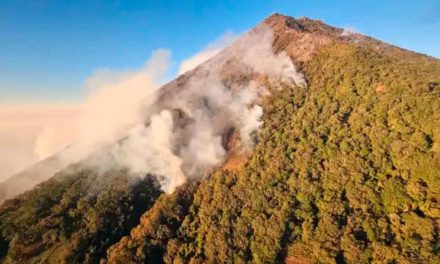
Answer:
(69, 133)
(174, 134)
(210, 51)
(184, 128)
(21, 125)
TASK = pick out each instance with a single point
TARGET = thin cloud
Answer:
(210, 51)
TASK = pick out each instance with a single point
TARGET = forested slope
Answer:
(73, 217)
(345, 170)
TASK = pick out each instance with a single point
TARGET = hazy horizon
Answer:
(54, 53)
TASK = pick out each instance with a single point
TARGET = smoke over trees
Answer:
(341, 170)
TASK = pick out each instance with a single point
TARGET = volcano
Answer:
(298, 143)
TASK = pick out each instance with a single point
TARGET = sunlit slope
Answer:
(345, 171)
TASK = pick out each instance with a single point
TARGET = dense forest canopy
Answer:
(346, 170)
(73, 217)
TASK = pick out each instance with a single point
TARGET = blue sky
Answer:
(49, 48)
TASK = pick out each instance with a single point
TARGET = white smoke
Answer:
(183, 130)
(177, 132)
(110, 110)
(349, 31)
(66, 135)
(210, 51)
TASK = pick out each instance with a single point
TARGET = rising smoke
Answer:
(177, 132)
(184, 128)
(210, 51)
(109, 111)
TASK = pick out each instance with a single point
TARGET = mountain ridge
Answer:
(296, 36)
(344, 170)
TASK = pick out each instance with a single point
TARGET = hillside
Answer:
(345, 168)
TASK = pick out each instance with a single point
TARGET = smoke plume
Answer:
(184, 128)
(210, 51)
(48, 137)
(177, 132)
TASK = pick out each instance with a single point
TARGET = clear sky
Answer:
(49, 48)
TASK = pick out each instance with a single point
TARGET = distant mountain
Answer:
(341, 166)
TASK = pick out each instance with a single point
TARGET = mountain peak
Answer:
(333, 161)
(301, 25)
(299, 37)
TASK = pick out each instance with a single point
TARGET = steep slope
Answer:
(73, 217)
(179, 140)
(26, 179)
(345, 169)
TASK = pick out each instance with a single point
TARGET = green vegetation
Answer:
(346, 170)
(147, 242)
(73, 217)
